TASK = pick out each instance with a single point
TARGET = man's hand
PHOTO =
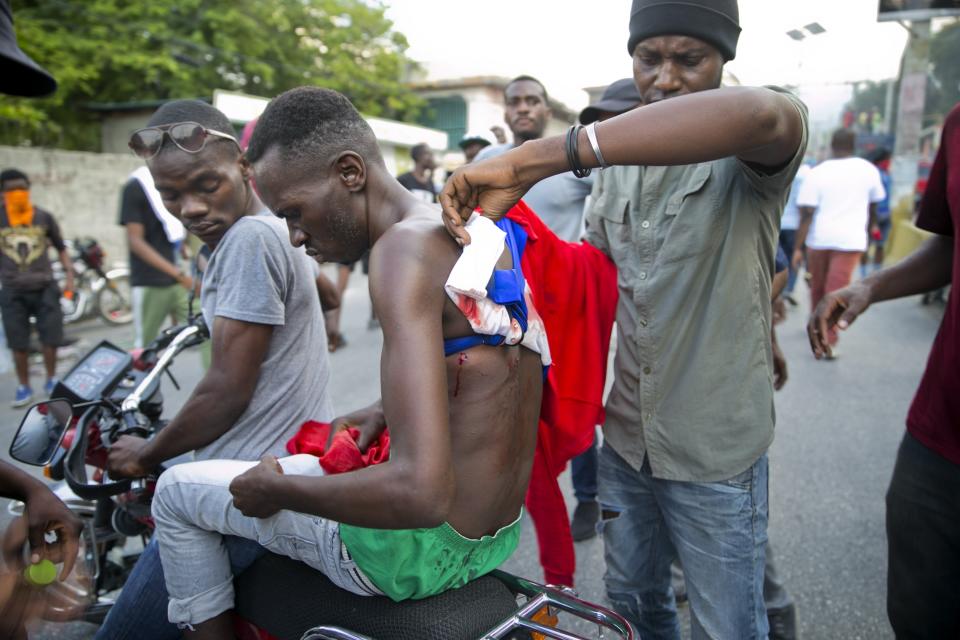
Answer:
(492, 185)
(779, 311)
(369, 422)
(253, 491)
(125, 458)
(46, 513)
(779, 367)
(185, 281)
(797, 259)
(838, 308)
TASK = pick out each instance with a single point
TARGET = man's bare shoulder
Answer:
(418, 240)
(412, 259)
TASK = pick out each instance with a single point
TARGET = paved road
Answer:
(839, 424)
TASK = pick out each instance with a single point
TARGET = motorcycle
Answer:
(110, 393)
(96, 292)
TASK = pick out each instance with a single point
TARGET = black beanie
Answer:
(713, 21)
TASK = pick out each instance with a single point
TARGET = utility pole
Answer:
(913, 90)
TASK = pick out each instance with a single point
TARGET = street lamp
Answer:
(813, 29)
(799, 35)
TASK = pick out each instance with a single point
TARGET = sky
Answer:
(569, 45)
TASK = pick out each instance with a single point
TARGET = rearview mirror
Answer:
(41, 431)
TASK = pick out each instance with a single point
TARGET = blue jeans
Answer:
(787, 237)
(718, 530)
(583, 473)
(140, 612)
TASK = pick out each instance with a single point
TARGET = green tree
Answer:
(131, 51)
(944, 53)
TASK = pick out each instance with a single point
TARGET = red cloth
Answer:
(344, 454)
(574, 288)
(934, 417)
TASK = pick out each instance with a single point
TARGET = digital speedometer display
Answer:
(98, 371)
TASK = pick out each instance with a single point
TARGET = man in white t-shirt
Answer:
(838, 204)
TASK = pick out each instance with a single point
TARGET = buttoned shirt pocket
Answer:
(690, 224)
(611, 210)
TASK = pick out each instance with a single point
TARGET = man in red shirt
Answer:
(923, 502)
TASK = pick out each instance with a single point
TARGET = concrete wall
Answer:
(82, 190)
(116, 129)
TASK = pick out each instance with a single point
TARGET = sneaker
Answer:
(783, 623)
(48, 388)
(23, 396)
(584, 523)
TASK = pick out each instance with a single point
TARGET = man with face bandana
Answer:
(690, 217)
(26, 234)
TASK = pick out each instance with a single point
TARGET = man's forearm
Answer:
(927, 268)
(779, 284)
(67, 266)
(700, 127)
(17, 484)
(383, 496)
(209, 413)
(800, 238)
(140, 248)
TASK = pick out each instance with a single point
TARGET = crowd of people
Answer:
(705, 210)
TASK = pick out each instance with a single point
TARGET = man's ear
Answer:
(351, 170)
(246, 169)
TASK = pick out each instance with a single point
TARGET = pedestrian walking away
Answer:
(838, 208)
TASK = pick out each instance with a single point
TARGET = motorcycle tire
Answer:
(115, 301)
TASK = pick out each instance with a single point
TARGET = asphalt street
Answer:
(838, 427)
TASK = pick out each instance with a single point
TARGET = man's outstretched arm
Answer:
(220, 398)
(926, 269)
(757, 125)
(415, 487)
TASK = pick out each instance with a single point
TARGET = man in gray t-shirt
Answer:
(559, 199)
(269, 372)
(255, 275)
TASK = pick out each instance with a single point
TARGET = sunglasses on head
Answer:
(188, 136)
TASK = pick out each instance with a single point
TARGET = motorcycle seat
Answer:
(286, 598)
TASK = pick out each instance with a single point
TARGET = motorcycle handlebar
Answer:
(176, 340)
(75, 470)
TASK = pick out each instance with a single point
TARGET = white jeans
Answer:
(193, 509)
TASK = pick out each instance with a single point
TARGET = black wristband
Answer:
(573, 152)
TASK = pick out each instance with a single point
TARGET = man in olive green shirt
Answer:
(690, 215)
(690, 415)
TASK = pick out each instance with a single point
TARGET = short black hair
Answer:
(418, 150)
(880, 154)
(192, 111)
(9, 175)
(314, 123)
(843, 140)
(526, 78)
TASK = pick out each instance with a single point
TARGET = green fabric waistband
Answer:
(417, 563)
